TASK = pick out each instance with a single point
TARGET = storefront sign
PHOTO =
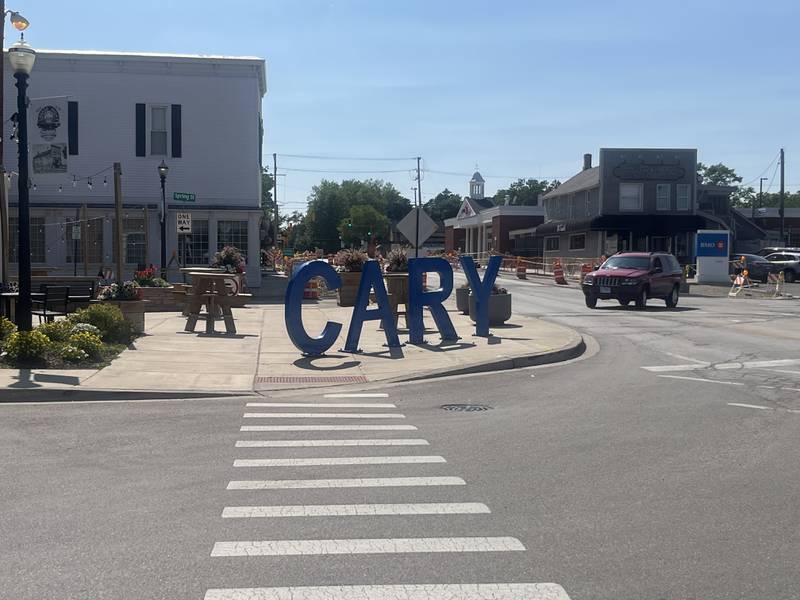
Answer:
(649, 172)
(372, 281)
(712, 244)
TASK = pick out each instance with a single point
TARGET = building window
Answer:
(551, 243)
(630, 196)
(94, 241)
(662, 196)
(232, 233)
(577, 242)
(134, 240)
(683, 196)
(193, 247)
(38, 249)
(158, 130)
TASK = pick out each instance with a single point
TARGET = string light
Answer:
(105, 181)
(89, 183)
(60, 188)
(74, 181)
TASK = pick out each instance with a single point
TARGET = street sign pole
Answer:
(418, 207)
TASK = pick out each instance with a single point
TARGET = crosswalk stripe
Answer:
(320, 405)
(367, 546)
(281, 415)
(328, 428)
(459, 591)
(321, 443)
(355, 510)
(372, 395)
(345, 460)
(289, 484)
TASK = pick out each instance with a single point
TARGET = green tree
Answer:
(774, 200)
(525, 192)
(268, 205)
(363, 224)
(717, 174)
(443, 206)
(330, 203)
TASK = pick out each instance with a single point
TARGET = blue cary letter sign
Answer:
(293, 313)
(371, 279)
(481, 290)
(418, 298)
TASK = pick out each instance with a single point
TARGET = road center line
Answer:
(749, 406)
(355, 510)
(367, 546)
(323, 443)
(460, 591)
(671, 368)
(280, 415)
(338, 461)
(327, 428)
(321, 405)
(301, 484)
(701, 379)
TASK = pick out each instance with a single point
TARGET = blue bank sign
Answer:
(372, 280)
(712, 244)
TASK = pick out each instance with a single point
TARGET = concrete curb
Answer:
(12, 396)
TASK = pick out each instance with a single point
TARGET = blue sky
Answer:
(522, 89)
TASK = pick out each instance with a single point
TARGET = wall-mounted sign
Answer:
(561, 227)
(47, 135)
(184, 222)
(76, 232)
(183, 197)
(649, 172)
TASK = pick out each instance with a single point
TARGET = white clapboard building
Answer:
(201, 115)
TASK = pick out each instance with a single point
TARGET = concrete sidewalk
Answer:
(261, 357)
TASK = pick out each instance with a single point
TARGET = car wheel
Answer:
(591, 301)
(672, 299)
(641, 301)
(624, 302)
(789, 276)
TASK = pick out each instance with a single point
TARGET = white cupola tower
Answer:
(476, 186)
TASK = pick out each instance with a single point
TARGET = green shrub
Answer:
(90, 343)
(114, 328)
(56, 331)
(85, 327)
(71, 354)
(6, 329)
(27, 347)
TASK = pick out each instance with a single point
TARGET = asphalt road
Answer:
(662, 465)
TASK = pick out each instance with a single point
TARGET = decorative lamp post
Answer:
(22, 56)
(163, 169)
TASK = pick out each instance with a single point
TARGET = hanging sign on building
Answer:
(48, 136)
(184, 222)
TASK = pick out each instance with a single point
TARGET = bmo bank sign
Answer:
(372, 281)
(712, 250)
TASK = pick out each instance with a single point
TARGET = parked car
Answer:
(788, 263)
(758, 267)
(634, 277)
(773, 249)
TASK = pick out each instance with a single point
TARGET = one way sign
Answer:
(184, 221)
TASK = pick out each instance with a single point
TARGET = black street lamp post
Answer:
(163, 169)
(22, 56)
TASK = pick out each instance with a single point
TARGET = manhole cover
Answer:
(466, 407)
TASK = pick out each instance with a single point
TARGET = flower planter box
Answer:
(499, 308)
(397, 286)
(132, 310)
(462, 300)
(161, 299)
(349, 289)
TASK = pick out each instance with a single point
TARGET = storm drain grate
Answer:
(312, 379)
(465, 407)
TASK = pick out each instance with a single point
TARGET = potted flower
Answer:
(462, 298)
(499, 306)
(128, 298)
(229, 259)
(157, 291)
(350, 264)
(397, 275)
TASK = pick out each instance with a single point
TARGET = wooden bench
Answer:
(81, 289)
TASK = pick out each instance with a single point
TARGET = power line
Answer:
(344, 171)
(328, 157)
(762, 172)
(485, 176)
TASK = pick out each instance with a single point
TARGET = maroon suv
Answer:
(635, 277)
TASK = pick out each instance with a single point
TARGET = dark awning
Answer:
(652, 224)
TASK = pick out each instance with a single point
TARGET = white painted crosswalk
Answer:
(355, 510)
(265, 501)
(460, 591)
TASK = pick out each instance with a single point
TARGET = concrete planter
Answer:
(132, 310)
(499, 308)
(161, 299)
(349, 289)
(462, 300)
(397, 286)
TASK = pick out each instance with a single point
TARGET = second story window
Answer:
(158, 130)
(630, 196)
(683, 196)
(662, 196)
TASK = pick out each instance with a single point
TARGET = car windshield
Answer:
(627, 262)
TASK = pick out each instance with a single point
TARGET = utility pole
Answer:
(760, 194)
(418, 201)
(275, 196)
(783, 198)
(118, 225)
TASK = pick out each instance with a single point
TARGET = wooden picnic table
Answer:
(209, 289)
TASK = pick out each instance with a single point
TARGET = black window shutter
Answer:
(176, 130)
(141, 133)
(72, 127)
